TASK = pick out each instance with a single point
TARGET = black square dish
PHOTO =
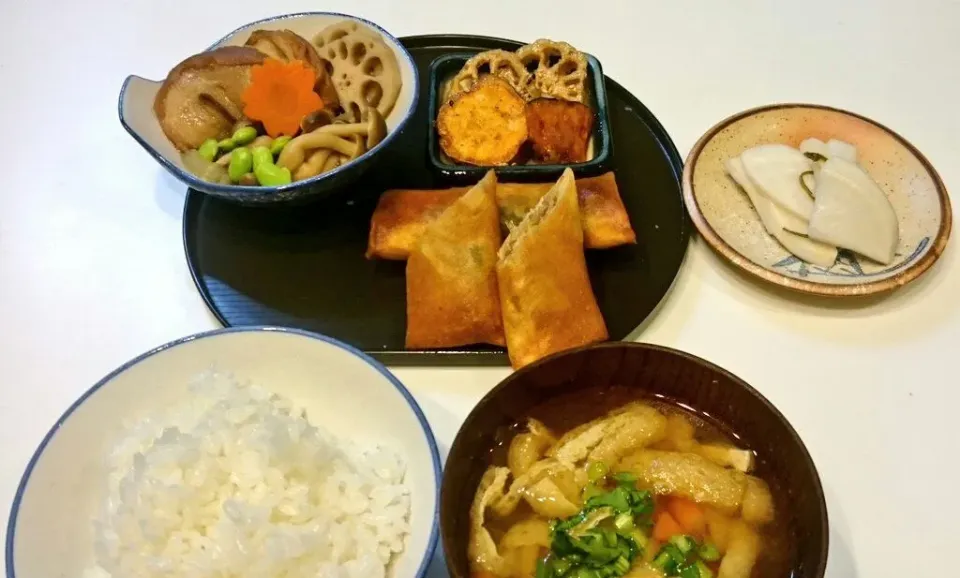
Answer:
(445, 67)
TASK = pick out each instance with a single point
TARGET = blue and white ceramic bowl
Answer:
(51, 532)
(137, 117)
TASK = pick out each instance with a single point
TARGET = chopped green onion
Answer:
(625, 478)
(705, 571)
(675, 554)
(709, 552)
(665, 562)
(624, 521)
(682, 557)
(597, 471)
(618, 499)
(815, 156)
(598, 545)
(584, 572)
(602, 540)
(685, 544)
(561, 566)
(562, 545)
(621, 565)
(542, 571)
(641, 504)
(591, 491)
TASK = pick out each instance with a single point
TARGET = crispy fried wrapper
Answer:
(401, 217)
(602, 214)
(548, 303)
(452, 296)
(403, 214)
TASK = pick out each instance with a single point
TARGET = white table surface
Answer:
(92, 270)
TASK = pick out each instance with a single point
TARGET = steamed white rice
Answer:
(237, 483)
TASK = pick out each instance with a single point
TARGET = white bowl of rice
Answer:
(249, 452)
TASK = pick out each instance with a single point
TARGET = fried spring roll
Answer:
(548, 304)
(452, 296)
(402, 214)
(401, 217)
(603, 216)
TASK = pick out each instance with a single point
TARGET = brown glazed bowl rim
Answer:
(449, 512)
(721, 246)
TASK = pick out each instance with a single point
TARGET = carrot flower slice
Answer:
(280, 94)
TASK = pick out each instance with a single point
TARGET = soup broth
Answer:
(604, 483)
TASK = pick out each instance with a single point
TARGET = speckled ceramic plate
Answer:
(727, 221)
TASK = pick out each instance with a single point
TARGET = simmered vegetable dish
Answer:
(644, 491)
(280, 108)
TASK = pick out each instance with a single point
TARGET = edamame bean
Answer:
(267, 173)
(209, 149)
(261, 156)
(277, 145)
(241, 163)
(226, 145)
(270, 175)
(244, 135)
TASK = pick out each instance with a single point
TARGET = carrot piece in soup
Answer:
(665, 527)
(688, 514)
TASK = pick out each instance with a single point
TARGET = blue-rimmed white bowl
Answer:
(137, 117)
(51, 527)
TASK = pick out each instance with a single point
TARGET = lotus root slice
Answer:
(500, 63)
(559, 70)
(365, 71)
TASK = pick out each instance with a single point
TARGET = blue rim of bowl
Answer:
(381, 369)
(233, 190)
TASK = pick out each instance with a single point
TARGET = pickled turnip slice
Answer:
(774, 218)
(852, 212)
(775, 169)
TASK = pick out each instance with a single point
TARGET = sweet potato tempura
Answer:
(485, 126)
